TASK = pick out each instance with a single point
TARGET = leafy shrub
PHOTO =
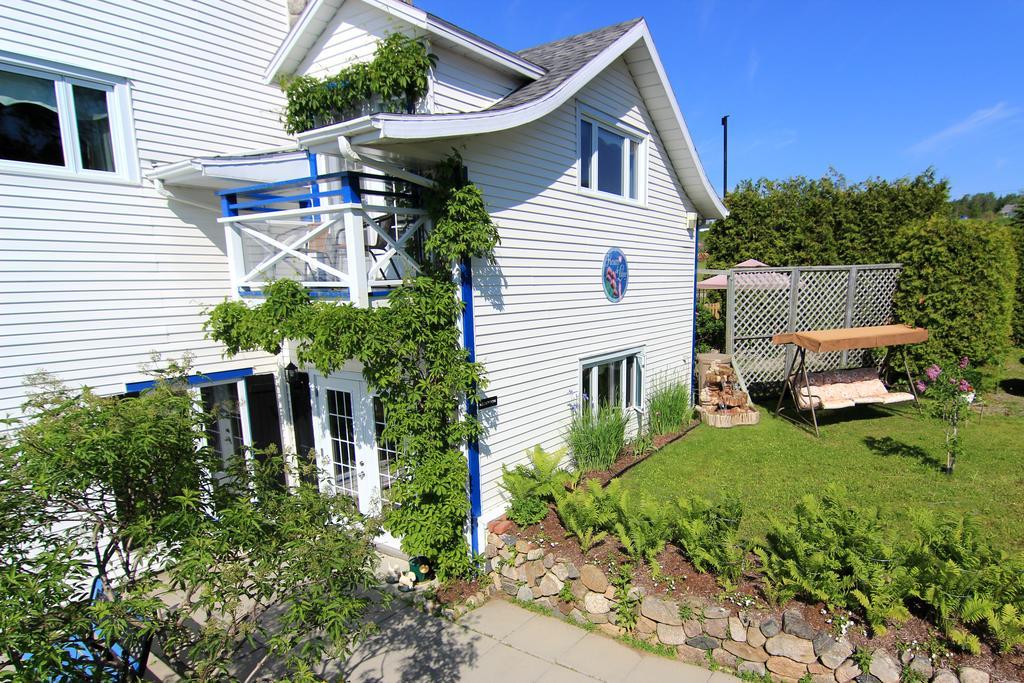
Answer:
(397, 74)
(710, 330)
(1018, 307)
(964, 581)
(669, 408)
(530, 488)
(958, 281)
(838, 554)
(709, 536)
(626, 604)
(595, 440)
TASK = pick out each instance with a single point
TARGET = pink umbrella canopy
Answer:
(767, 280)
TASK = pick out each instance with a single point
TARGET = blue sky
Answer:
(869, 88)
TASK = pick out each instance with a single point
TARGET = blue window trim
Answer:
(194, 380)
(473, 448)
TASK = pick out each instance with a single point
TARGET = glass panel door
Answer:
(341, 426)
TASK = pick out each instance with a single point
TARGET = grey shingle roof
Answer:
(561, 59)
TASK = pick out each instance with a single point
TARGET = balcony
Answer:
(349, 235)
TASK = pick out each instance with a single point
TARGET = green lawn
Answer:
(884, 457)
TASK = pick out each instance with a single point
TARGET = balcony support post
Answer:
(355, 243)
(233, 244)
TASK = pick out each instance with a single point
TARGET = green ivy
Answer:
(412, 358)
(398, 75)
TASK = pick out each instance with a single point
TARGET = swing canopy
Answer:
(848, 338)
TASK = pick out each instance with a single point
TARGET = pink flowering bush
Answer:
(951, 393)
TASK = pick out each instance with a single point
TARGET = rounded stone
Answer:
(534, 554)
(849, 670)
(885, 668)
(595, 603)
(786, 645)
(661, 611)
(793, 623)
(593, 578)
(694, 655)
(692, 627)
(549, 585)
(549, 561)
(703, 642)
(716, 613)
(784, 666)
(746, 651)
(524, 594)
(968, 674)
(571, 571)
(945, 676)
(770, 627)
(724, 658)
(560, 571)
(719, 628)
(737, 631)
(922, 665)
(671, 635)
(754, 635)
(835, 653)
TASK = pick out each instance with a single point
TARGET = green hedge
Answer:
(958, 280)
(814, 222)
(1018, 310)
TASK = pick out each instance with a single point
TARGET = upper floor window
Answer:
(611, 157)
(63, 122)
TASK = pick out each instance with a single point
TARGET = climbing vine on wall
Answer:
(398, 75)
(412, 359)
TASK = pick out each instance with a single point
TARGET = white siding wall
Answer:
(462, 84)
(351, 36)
(542, 309)
(459, 83)
(94, 276)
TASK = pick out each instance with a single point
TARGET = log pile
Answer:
(722, 403)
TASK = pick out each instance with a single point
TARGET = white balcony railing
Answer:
(349, 235)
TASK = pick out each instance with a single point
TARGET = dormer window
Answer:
(612, 157)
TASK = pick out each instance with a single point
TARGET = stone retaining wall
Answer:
(786, 646)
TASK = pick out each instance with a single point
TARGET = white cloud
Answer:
(976, 121)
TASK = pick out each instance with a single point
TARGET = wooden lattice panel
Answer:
(764, 302)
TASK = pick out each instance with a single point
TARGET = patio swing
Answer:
(836, 389)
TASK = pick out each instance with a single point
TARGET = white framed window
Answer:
(612, 156)
(64, 121)
(613, 380)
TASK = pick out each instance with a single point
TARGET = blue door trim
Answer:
(469, 342)
(194, 380)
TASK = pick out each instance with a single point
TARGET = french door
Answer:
(354, 461)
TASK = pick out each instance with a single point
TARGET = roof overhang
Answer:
(318, 14)
(636, 47)
(223, 172)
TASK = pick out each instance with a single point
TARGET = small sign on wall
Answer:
(488, 402)
(615, 274)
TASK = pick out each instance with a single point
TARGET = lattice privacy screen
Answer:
(762, 302)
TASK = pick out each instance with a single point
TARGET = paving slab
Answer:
(559, 674)
(545, 637)
(503, 664)
(497, 618)
(600, 657)
(655, 668)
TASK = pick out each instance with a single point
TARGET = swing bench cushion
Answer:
(836, 389)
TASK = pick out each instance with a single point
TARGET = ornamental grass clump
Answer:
(595, 439)
(951, 394)
(669, 408)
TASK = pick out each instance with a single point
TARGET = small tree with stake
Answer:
(952, 395)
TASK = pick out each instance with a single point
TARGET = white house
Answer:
(141, 148)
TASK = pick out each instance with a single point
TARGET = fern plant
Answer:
(709, 536)
(966, 583)
(838, 554)
(642, 529)
(531, 488)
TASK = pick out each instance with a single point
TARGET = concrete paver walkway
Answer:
(503, 642)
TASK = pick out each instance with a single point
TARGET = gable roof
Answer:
(560, 59)
(318, 14)
(596, 51)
